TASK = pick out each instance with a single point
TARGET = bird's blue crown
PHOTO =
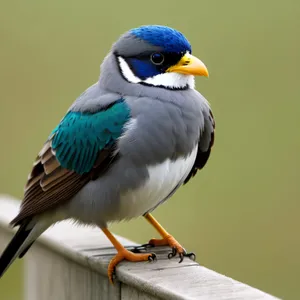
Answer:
(168, 38)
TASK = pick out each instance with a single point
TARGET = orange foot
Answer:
(124, 254)
(169, 240)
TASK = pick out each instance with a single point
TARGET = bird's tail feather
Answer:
(21, 242)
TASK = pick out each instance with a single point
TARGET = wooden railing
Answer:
(70, 263)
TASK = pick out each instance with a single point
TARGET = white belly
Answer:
(163, 179)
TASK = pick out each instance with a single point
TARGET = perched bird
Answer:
(124, 146)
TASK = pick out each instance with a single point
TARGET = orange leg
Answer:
(167, 240)
(123, 254)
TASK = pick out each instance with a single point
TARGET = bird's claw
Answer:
(172, 253)
(124, 254)
(138, 249)
(168, 241)
(181, 254)
(152, 258)
(191, 256)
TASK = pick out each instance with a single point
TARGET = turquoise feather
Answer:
(79, 137)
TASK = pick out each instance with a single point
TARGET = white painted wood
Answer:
(70, 262)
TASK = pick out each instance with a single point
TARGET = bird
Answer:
(124, 146)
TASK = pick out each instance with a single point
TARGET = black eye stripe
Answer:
(170, 59)
(169, 56)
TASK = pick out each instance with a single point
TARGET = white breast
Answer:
(163, 179)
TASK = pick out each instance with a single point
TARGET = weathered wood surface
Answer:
(69, 263)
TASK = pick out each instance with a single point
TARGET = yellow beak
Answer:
(190, 65)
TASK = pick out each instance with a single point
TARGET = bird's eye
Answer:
(157, 58)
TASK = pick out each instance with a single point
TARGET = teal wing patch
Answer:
(79, 137)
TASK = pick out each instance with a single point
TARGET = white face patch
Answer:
(127, 73)
(168, 80)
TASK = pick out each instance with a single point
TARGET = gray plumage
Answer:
(180, 117)
(166, 126)
(159, 113)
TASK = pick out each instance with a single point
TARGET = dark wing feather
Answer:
(206, 142)
(80, 149)
(50, 185)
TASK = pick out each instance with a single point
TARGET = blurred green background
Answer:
(241, 214)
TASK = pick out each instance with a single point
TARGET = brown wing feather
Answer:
(50, 185)
(50, 180)
(46, 156)
(50, 165)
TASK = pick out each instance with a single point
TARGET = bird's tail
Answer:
(26, 235)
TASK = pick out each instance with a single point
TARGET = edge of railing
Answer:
(164, 279)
